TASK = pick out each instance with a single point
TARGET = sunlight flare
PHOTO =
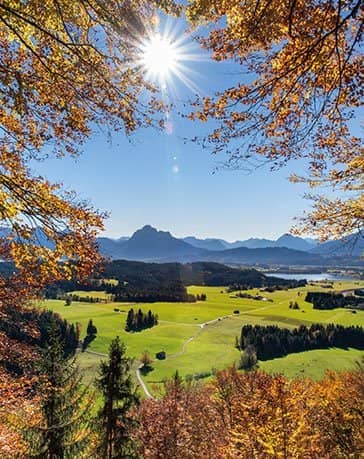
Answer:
(163, 57)
(160, 56)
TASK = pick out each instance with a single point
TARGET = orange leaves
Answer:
(183, 425)
(65, 66)
(255, 415)
(303, 66)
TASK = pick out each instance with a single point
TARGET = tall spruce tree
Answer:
(64, 405)
(119, 396)
(130, 320)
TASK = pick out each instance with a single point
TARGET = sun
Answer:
(160, 57)
(163, 57)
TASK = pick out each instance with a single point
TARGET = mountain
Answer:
(311, 241)
(352, 245)
(208, 244)
(267, 255)
(253, 243)
(293, 242)
(286, 240)
(149, 244)
(38, 238)
(111, 248)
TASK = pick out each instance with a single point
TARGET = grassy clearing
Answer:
(213, 345)
(312, 364)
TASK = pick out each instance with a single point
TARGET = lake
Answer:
(311, 277)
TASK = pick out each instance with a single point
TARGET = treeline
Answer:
(85, 299)
(150, 282)
(198, 273)
(137, 290)
(271, 341)
(138, 320)
(32, 327)
(332, 300)
(162, 290)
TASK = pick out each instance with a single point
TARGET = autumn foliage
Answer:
(65, 68)
(300, 87)
(246, 415)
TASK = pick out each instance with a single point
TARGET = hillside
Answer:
(197, 273)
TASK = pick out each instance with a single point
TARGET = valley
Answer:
(198, 338)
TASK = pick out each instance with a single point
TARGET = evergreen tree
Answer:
(91, 332)
(140, 318)
(119, 396)
(63, 430)
(130, 320)
(140, 321)
(91, 329)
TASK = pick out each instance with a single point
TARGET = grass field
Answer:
(194, 346)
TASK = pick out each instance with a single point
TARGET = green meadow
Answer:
(199, 338)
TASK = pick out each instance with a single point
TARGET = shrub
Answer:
(160, 355)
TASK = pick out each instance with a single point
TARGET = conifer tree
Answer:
(119, 396)
(91, 329)
(130, 320)
(63, 429)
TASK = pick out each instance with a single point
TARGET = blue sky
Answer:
(156, 178)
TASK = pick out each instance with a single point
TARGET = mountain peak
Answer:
(150, 231)
(149, 228)
(287, 236)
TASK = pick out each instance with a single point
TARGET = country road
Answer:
(137, 373)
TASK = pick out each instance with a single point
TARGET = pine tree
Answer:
(91, 329)
(130, 320)
(139, 320)
(63, 430)
(119, 396)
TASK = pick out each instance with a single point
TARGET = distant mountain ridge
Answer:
(286, 240)
(215, 244)
(149, 244)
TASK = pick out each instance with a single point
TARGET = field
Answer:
(199, 337)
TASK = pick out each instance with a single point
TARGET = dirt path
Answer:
(192, 338)
(137, 373)
(94, 353)
(213, 322)
(142, 383)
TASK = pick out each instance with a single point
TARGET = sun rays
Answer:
(164, 57)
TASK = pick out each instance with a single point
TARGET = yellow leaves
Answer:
(303, 65)
(253, 415)
(201, 116)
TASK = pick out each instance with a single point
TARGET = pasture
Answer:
(198, 338)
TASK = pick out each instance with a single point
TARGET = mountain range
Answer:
(149, 244)
(286, 240)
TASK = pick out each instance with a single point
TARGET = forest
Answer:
(271, 341)
(332, 300)
(150, 282)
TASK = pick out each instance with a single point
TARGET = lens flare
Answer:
(163, 57)
(159, 56)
